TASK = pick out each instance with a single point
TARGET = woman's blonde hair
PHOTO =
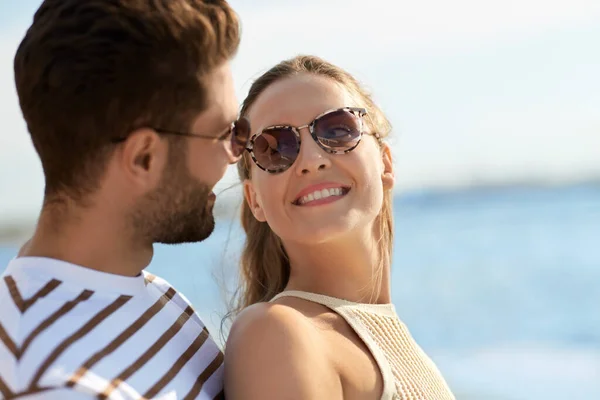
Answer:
(265, 267)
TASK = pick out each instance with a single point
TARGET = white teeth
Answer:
(320, 194)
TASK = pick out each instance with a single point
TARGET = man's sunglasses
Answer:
(339, 131)
(237, 133)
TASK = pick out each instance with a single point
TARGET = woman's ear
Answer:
(387, 175)
(253, 201)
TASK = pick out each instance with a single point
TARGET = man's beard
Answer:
(178, 211)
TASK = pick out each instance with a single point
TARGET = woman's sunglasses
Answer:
(274, 149)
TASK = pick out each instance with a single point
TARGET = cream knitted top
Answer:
(408, 373)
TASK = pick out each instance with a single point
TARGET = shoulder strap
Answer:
(343, 308)
(331, 302)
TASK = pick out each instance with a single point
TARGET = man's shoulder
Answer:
(164, 288)
(83, 339)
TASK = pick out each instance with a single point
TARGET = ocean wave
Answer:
(523, 372)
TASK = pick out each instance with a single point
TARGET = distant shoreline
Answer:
(14, 233)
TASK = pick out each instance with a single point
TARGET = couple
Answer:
(131, 108)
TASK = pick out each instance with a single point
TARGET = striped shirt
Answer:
(68, 332)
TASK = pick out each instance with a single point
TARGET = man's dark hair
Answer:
(88, 71)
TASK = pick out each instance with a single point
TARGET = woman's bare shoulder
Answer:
(274, 350)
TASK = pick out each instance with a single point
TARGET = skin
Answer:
(292, 348)
(148, 194)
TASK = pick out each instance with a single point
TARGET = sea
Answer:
(500, 286)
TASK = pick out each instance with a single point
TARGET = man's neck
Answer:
(88, 238)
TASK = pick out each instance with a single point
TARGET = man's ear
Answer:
(143, 157)
(253, 201)
(387, 175)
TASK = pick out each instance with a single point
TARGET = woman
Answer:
(315, 315)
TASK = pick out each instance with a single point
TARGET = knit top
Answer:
(408, 373)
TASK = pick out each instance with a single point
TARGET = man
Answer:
(130, 107)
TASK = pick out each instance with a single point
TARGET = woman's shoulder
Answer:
(276, 346)
(289, 319)
(279, 322)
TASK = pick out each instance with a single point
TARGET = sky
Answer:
(478, 92)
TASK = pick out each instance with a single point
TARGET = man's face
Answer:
(180, 209)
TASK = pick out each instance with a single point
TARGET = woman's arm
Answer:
(274, 352)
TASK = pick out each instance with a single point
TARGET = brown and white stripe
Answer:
(23, 305)
(61, 351)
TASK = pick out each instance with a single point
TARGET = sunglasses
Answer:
(237, 133)
(339, 131)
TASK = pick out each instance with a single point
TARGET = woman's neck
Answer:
(349, 268)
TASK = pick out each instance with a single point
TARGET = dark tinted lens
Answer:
(276, 149)
(239, 136)
(339, 130)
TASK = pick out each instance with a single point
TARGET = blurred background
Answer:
(496, 114)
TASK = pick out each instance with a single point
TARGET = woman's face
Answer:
(321, 196)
